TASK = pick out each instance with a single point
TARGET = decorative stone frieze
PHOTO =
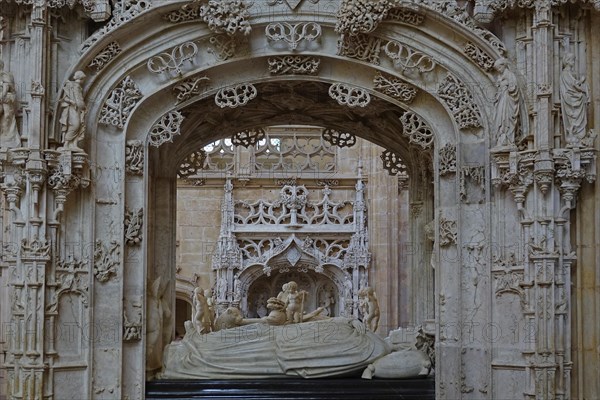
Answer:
(405, 16)
(293, 34)
(293, 4)
(166, 128)
(248, 137)
(361, 16)
(187, 12)
(105, 56)
(133, 226)
(394, 87)
(293, 65)
(190, 87)
(226, 16)
(120, 102)
(417, 130)
(134, 157)
(339, 139)
(350, 96)
(235, 96)
(447, 159)
(459, 101)
(173, 61)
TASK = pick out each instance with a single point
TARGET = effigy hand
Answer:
(359, 326)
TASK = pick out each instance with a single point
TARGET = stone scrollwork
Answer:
(350, 96)
(293, 4)
(120, 102)
(293, 34)
(106, 260)
(133, 226)
(293, 65)
(393, 163)
(226, 16)
(235, 96)
(248, 137)
(166, 128)
(395, 88)
(447, 159)
(459, 101)
(223, 47)
(417, 130)
(172, 61)
(361, 16)
(187, 12)
(134, 157)
(105, 56)
(405, 16)
(190, 87)
(361, 47)
(339, 139)
(406, 58)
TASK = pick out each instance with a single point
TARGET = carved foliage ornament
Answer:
(340, 139)
(395, 88)
(459, 101)
(350, 96)
(134, 157)
(417, 131)
(248, 137)
(361, 47)
(166, 128)
(448, 232)
(133, 226)
(361, 16)
(393, 163)
(120, 102)
(235, 96)
(293, 65)
(105, 56)
(480, 57)
(173, 60)
(192, 164)
(447, 159)
(226, 16)
(293, 34)
(106, 260)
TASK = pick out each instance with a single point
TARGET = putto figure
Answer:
(9, 135)
(506, 121)
(73, 112)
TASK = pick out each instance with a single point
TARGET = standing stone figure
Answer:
(574, 98)
(369, 307)
(506, 121)
(73, 111)
(9, 135)
(158, 315)
(201, 313)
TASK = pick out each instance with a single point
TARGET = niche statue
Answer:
(72, 112)
(9, 135)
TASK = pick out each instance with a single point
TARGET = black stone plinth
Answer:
(283, 389)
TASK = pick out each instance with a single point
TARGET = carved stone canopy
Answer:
(293, 103)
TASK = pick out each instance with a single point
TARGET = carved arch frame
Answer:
(107, 148)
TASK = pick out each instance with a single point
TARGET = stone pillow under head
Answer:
(399, 364)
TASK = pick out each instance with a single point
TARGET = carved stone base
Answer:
(330, 389)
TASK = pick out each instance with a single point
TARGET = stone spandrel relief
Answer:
(9, 134)
(73, 112)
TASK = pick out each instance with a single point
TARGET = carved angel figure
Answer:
(73, 111)
(369, 307)
(574, 98)
(9, 135)
(201, 314)
(506, 120)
